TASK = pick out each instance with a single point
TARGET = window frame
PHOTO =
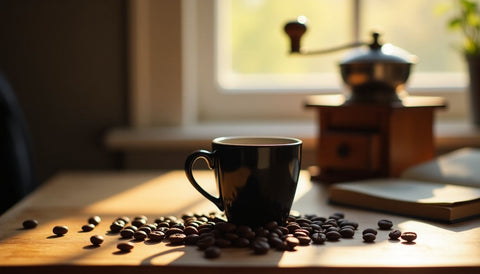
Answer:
(219, 102)
(195, 96)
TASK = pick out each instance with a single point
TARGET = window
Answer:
(253, 48)
(243, 71)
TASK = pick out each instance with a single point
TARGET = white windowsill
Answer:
(448, 135)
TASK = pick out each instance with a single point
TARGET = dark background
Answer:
(66, 62)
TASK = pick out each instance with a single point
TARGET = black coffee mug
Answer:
(256, 177)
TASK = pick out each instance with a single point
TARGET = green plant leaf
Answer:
(455, 23)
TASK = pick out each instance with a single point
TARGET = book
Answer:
(445, 189)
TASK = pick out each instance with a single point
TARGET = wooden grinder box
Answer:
(360, 140)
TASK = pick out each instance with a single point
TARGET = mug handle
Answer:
(209, 158)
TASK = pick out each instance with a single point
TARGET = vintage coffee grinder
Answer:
(376, 129)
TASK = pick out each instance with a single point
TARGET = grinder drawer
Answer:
(349, 150)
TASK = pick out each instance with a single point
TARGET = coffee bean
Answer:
(283, 230)
(346, 232)
(349, 223)
(116, 226)
(292, 242)
(409, 236)
(369, 230)
(177, 238)
(260, 246)
(173, 230)
(292, 226)
(96, 239)
(139, 222)
(87, 228)
(145, 229)
(192, 239)
(131, 227)
(385, 224)
(369, 237)
(124, 219)
(318, 238)
(275, 242)
(29, 224)
(125, 246)
(60, 230)
(300, 234)
(127, 233)
(94, 220)
(212, 252)
(190, 230)
(163, 224)
(394, 235)
(271, 225)
(205, 242)
(140, 235)
(333, 235)
(241, 242)
(156, 236)
(304, 240)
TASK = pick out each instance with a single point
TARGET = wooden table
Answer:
(70, 198)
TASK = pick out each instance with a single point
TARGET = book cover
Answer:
(442, 189)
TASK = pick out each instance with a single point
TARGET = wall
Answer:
(66, 61)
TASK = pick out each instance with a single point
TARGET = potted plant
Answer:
(465, 18)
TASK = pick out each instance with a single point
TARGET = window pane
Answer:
(253, 49)
(414, 26)
(259, 44)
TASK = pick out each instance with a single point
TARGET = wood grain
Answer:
(71, 197)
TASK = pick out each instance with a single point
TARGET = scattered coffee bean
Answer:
(212, 232)
(260, 247)
(145, 229)
(29, 224)
(60, 230)
(385, 224)
(333, 235)
(190, 230)
(116, 226)
(192, 239)
(369, 230)
(124, 219)
(139, 222)
(177, 238)
(304, 240)
(96, 240)
(241, 242)
(292, 242)
(409, 236)
(346, 232)
(88, 227)
(212, 252)
(140, 235)
(172, 231)
(156, 236)
(369, 237)
(127, 233)
(131, 227)
(319, 238)
(394, 235)
(125, 246)
(94, 220)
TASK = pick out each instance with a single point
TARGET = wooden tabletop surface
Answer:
(70, 198)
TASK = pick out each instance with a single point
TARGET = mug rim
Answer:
(249, 141)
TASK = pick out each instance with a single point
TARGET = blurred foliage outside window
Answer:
(252, 40)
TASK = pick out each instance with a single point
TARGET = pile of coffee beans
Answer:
(212, 232)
